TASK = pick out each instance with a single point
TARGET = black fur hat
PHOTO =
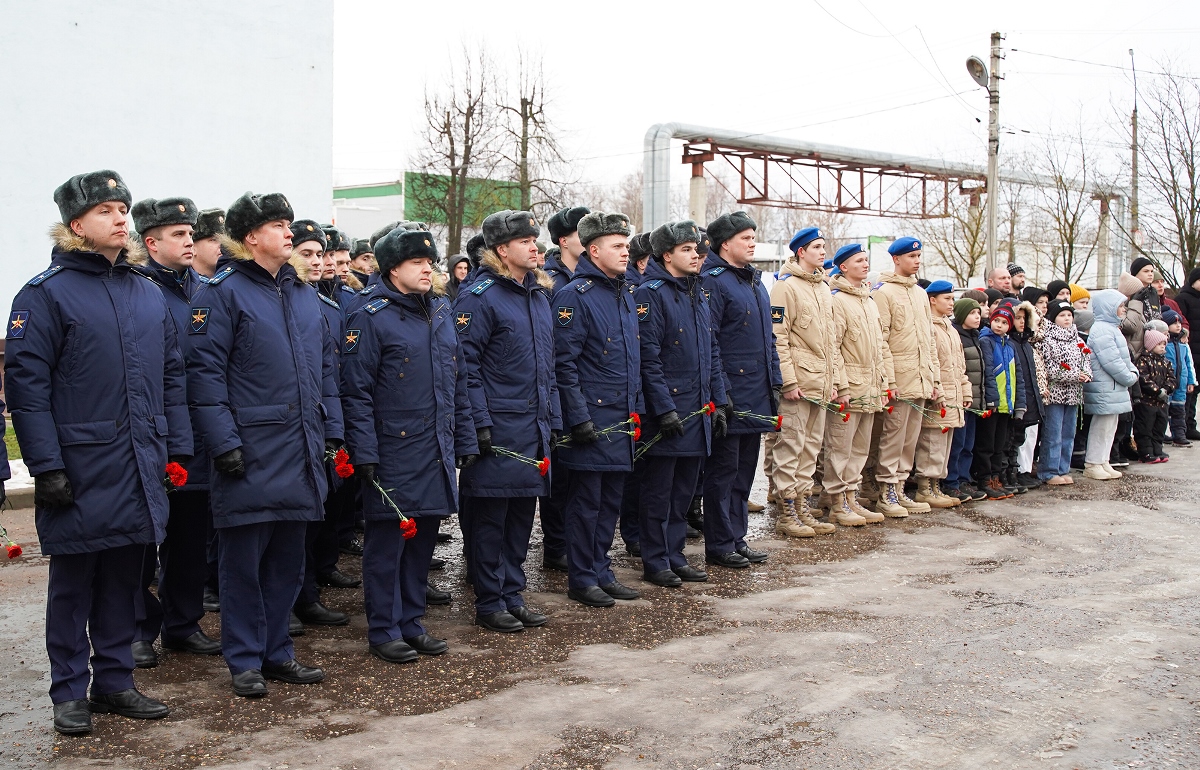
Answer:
(79, 194)
(308, 230)
(251, 210)
(361, 246)
(705, 244)
(509, 225)
(209, 222)
(565, 222)
(335, 239)
(597, 224)
(667, 236)
(401, 244)
(390, 226)
(150, 213)
(474, 249)
(640, 247)
(726, 226)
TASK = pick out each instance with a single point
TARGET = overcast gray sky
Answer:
(861, 73)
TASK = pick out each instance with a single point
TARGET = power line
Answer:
(847, 26)
(1121, 67)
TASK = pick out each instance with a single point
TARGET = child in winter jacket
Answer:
(1004, 395)
(1156, 380)
(1179, 353)
(1022, 440)
(968, 315)
(1068, 364)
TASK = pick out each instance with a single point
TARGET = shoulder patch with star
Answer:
(199, 322)
(18, 322)
(776, 314)
(462, 322)
(565, 315)
(643, 311)
(350, 343)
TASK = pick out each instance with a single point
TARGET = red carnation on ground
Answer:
(14, 550)
(177, 475)
(543, 465)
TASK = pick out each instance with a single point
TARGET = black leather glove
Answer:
(332, 445)
(584, 432)
(365, 471)
(465, 461)
(776, 398)
(670, 425)
(484, 437)
(52, 489)
(231, 464)
(720, 426)
(181, 459)
(554, 437)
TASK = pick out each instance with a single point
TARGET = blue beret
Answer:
(803, 238)
(903, 246)
(939, 287)
(847, 251)
(827, 264)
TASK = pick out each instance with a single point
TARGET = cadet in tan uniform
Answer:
(858, 347)
(933, 447)
(800, 308)
(913, 374)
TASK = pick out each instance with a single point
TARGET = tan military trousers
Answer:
(933, 452)
(794, 454)
(898, 443)
(847, 445)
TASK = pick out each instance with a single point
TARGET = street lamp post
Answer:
(991, 81)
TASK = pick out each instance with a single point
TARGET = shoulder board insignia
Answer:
(657, 282)
(203, 278)
(581, 288)
(482, 286)
(328, 301)
(41, 277)
(776, 314)
(375, 305)
(643, 310)
(221, 275)
(565, 315)
(716, 271)
(367, 290)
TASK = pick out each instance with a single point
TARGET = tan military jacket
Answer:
(908, 332)
(801, 310)
(956, 387)
(859, 352)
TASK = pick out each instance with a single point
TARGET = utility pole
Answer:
(1135, 230)
(993, 183)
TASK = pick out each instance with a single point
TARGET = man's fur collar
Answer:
(66, 240)
(492, 262)
(353, 282)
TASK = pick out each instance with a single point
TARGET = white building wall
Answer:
(206, 99)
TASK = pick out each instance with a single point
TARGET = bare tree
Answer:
(531, 148)
(458, 144)
(624, 197)
(958, 242)
(1067, 203)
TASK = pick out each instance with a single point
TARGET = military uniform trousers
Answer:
(933, 452)
(181, 564)
(320, 550)
(794, 454)
(898, 442)
(728, 476)
(667, 487)
(593, 507)
(847, 445)
(630, 525)
(500, 530)
(395, 576)
(551, 511)
(260, 566)
(90, 604)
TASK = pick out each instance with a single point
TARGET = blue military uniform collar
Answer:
(587, 269)
(655, 271)
(90, 262)
(256, 272)
(714, 260)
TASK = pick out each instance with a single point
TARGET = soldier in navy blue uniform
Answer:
(681, 373)
(561, 262)
(263, 389)
(639, 259)
(94, 381)
(598, 365)
(165, 227)
(358, 270)
(507, 334)
(741, 311)
(407, 426)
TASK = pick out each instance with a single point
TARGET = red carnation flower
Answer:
(946, 429)
(637, 433)
(408, 529)
(1065, 365)
(1080, 345)
(710, 407)
(344, 471)
(890, 409)
(1087, 350)
(342, 457)
(779, 422)
(942, 413)
(846, 417)
(635, 418)
(987, 413)
(177, 475)
(14, 550)
(543, 465)
(842, 407)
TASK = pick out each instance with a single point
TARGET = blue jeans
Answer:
(962, 444)
(1058, 440)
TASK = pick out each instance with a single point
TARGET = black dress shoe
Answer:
(436, 564)
(733, 560)
(692, 532)
(395, 651)
(618, 591)
(352, 547)
(436, 596)
(128, 703)
(212, 601)
(689, 574)
(198, 643)
(592, 596)
(426, 644)
(665, 578)
(295, 627)
(317, 614)
(751, 555)
(528, 617)
(502, 621)
(1193, 434)
(144, 655)
(555, 563)
(633, 549)
(73, 717)
(292, 672)
(250, 684)
(336, 579)
(444, 537)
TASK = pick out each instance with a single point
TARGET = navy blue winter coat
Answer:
(507, 335)
(95, 385)
(404, 398)
(177, 289)
(741, 312)
(559, 273)
(681, 366)
(262, 375)
(598, 364)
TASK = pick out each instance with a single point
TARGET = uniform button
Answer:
(745, 323)
(741, 371)
(402, 433)
(599, 401)
(406, 360)
(676, 342)
(606, 352)
(681, 329)
(402, 375)
(453, 358)
(674, 390)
